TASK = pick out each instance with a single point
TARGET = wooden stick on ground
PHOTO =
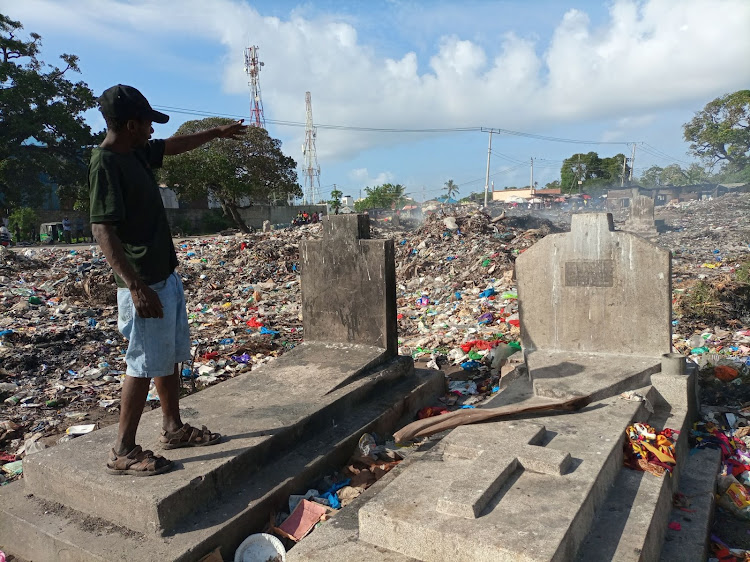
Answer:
(436, 424)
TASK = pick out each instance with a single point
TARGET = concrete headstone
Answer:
(595, 308)
(641, 219)
(349, 285)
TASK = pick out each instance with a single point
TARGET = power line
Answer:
(394, 129)
(548, 138)
(653, 151)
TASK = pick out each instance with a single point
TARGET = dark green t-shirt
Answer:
(124, 192)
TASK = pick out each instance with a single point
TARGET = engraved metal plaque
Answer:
(589, 273)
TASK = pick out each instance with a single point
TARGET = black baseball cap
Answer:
(125, 102)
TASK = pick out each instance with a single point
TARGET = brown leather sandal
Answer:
(188, 436)
(138, 463)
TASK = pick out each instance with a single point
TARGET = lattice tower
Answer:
(252, 68)
(312, 169)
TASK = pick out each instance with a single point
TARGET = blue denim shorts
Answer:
(155, 344)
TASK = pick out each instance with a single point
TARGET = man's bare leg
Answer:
(169, 395)
(132, 401)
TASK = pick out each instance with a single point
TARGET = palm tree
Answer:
(451, 189)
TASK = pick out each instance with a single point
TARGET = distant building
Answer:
(620, 198)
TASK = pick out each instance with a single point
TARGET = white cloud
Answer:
(648, 55)
(361, 178)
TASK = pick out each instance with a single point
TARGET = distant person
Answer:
(17, 232)
(130, 225)
(315, 218)
(67, 230)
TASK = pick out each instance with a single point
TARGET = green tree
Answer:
(720, 133)
(25, 218)
(335, 201)
(381, 197)
(43, 133)
(235, 172)
(673, 175)
(594, 173)
(696, 173)
(552, 185)
(451, 189)
(651, 177)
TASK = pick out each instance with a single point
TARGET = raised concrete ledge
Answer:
(698, 483)
(566, 374)
(261, 414)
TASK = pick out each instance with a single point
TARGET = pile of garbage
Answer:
(456, 296)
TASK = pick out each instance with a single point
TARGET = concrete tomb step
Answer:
(698, 486)
(564, 375)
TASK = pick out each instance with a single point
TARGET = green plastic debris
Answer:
(515, 345)
(509, 295)
(486, 263)
(474, 355)
(699, 350)
(35, 300)
(13, 468)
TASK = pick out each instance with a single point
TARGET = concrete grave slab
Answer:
(349, 285)
(257, 412)
(540, 512)
(595, 309)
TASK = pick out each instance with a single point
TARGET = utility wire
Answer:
(196, 112)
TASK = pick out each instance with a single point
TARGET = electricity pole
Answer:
(622, 176)
(531, 184)
(632, 164)
(487, 176)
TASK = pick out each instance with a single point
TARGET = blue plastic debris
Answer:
(487, 293)
(470, 365)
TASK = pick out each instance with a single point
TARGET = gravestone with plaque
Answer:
(595, 308)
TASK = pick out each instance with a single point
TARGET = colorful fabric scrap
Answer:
(649, 450)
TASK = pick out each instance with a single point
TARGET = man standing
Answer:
(67, 230)
(130, 224)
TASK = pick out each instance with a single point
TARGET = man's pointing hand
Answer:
(232, 130)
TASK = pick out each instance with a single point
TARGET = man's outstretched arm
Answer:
(182, 143)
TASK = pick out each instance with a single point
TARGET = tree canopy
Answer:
(593, 172)
(383, 196)
(719, 134)
(674, 174)
(335, 201)
(235, 172)
(451, 189)
(43, 138)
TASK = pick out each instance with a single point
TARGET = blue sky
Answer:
(615, 71)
